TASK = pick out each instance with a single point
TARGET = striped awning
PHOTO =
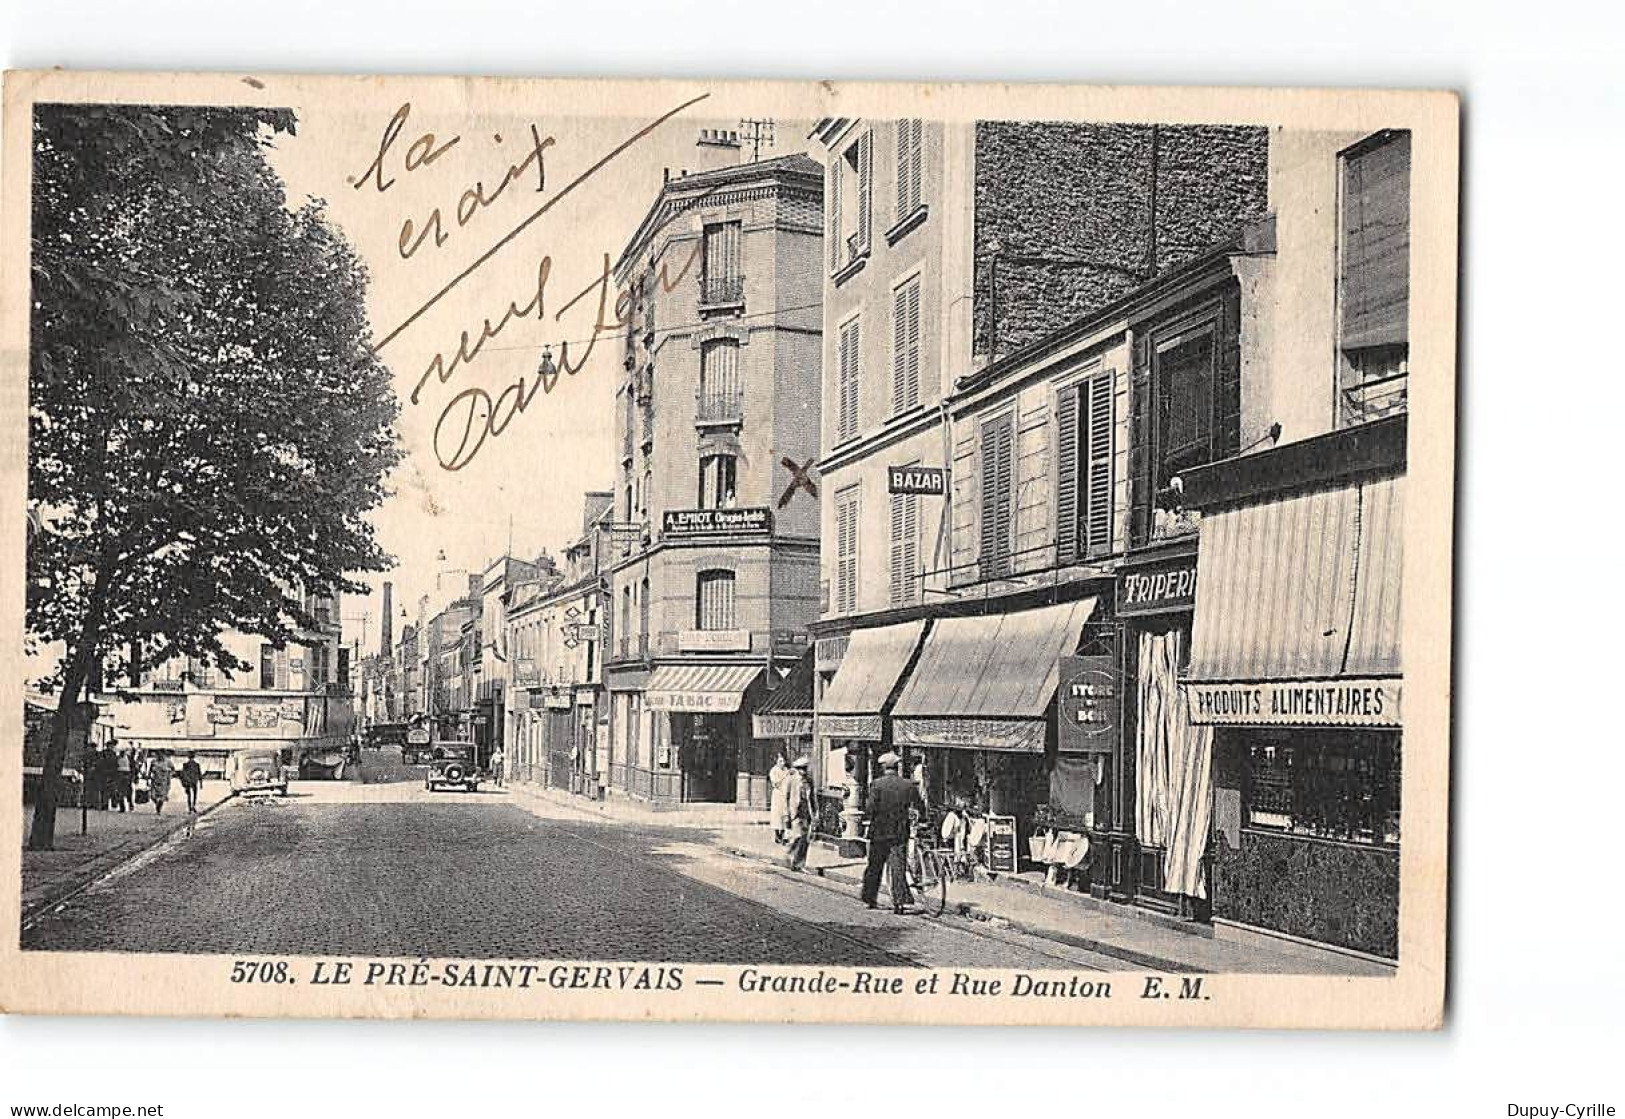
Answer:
(987, 682)
(698, 687)
(1302, 589)
(787, 712)
(856, 699)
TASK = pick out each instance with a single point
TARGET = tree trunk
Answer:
(42, 833)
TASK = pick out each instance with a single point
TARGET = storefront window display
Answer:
(1326, 784)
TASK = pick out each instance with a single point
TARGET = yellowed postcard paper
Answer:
(726, 551)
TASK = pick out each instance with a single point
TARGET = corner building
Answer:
(714, 554)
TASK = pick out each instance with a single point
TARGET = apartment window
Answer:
(626, 616)
(905, 548)
(851, 191)
(714, 601)
(719, 380)
(1374, 277)
(1185, 410)
(846, 404)
(909, 160)
(998, 496)
(720, 278)
(846, 549)
(719, 476)
(648, 491)
(268, 666)
(1083, 484)
(905, 368)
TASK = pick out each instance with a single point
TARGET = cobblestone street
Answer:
(382, 867)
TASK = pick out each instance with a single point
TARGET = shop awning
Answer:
(787, 712)
(987, 682)
(856, 698)
(1304, 589)
(698, 687)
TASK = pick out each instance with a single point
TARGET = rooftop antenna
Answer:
(758, 133)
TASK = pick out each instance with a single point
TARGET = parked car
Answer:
(257, 771)
(451, 764)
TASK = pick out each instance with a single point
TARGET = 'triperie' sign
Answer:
(1089, 703)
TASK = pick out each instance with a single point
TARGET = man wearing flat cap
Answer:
(891, 799)
(799, 811)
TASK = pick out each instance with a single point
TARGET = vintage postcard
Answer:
(699, 550)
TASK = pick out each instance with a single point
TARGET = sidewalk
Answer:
(1023, 903)
(112, 838)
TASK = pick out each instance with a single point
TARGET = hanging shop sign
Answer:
(864, 728)
(716, 522)
(1013, 736)
(931, 481)
(525, 673)
(1001, 844)
(1089, 701)
(828, 652)
(1157, 588)
(1304, 703)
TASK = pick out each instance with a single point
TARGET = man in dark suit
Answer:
(890, 800)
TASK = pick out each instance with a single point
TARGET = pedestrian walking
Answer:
(124, 782)
(892, 799)
(778, 800)
(191, 781)
(499, 762)
(106, 768)
(799, 812)
(159, 774)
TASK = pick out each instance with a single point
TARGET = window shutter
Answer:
(846, 553)
(1066, 479)
(1227, 378)
(1100, 465)
(996, 478)
(1139, 442)
(911, 545)
(908, 167)
(866, 167)
(912, 370)
(915, 165)
(899, 575)
(1376, 243)
(846, 422)
(835, 213)
(905, 389)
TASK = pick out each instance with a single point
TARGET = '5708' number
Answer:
(260, 971)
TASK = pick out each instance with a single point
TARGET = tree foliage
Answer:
(208, 425)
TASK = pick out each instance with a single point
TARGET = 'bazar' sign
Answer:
(1313, 703)
(1090, 700)
(929, 480)
(716, 522)
(1158, 588)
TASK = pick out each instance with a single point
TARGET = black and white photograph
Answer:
(681, 549)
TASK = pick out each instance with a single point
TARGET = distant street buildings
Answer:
(1066, 460)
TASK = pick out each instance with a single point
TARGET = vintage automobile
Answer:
(418, 747)
(451, 765)
(257, 771)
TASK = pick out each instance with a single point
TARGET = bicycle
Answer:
(926, 872)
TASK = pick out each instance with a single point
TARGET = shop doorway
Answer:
(708, 753)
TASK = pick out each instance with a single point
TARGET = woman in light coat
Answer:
(159, 775)
(778, 803)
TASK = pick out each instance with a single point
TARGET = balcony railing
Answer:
(722, 291)
(720, 407)
(1375, 399)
